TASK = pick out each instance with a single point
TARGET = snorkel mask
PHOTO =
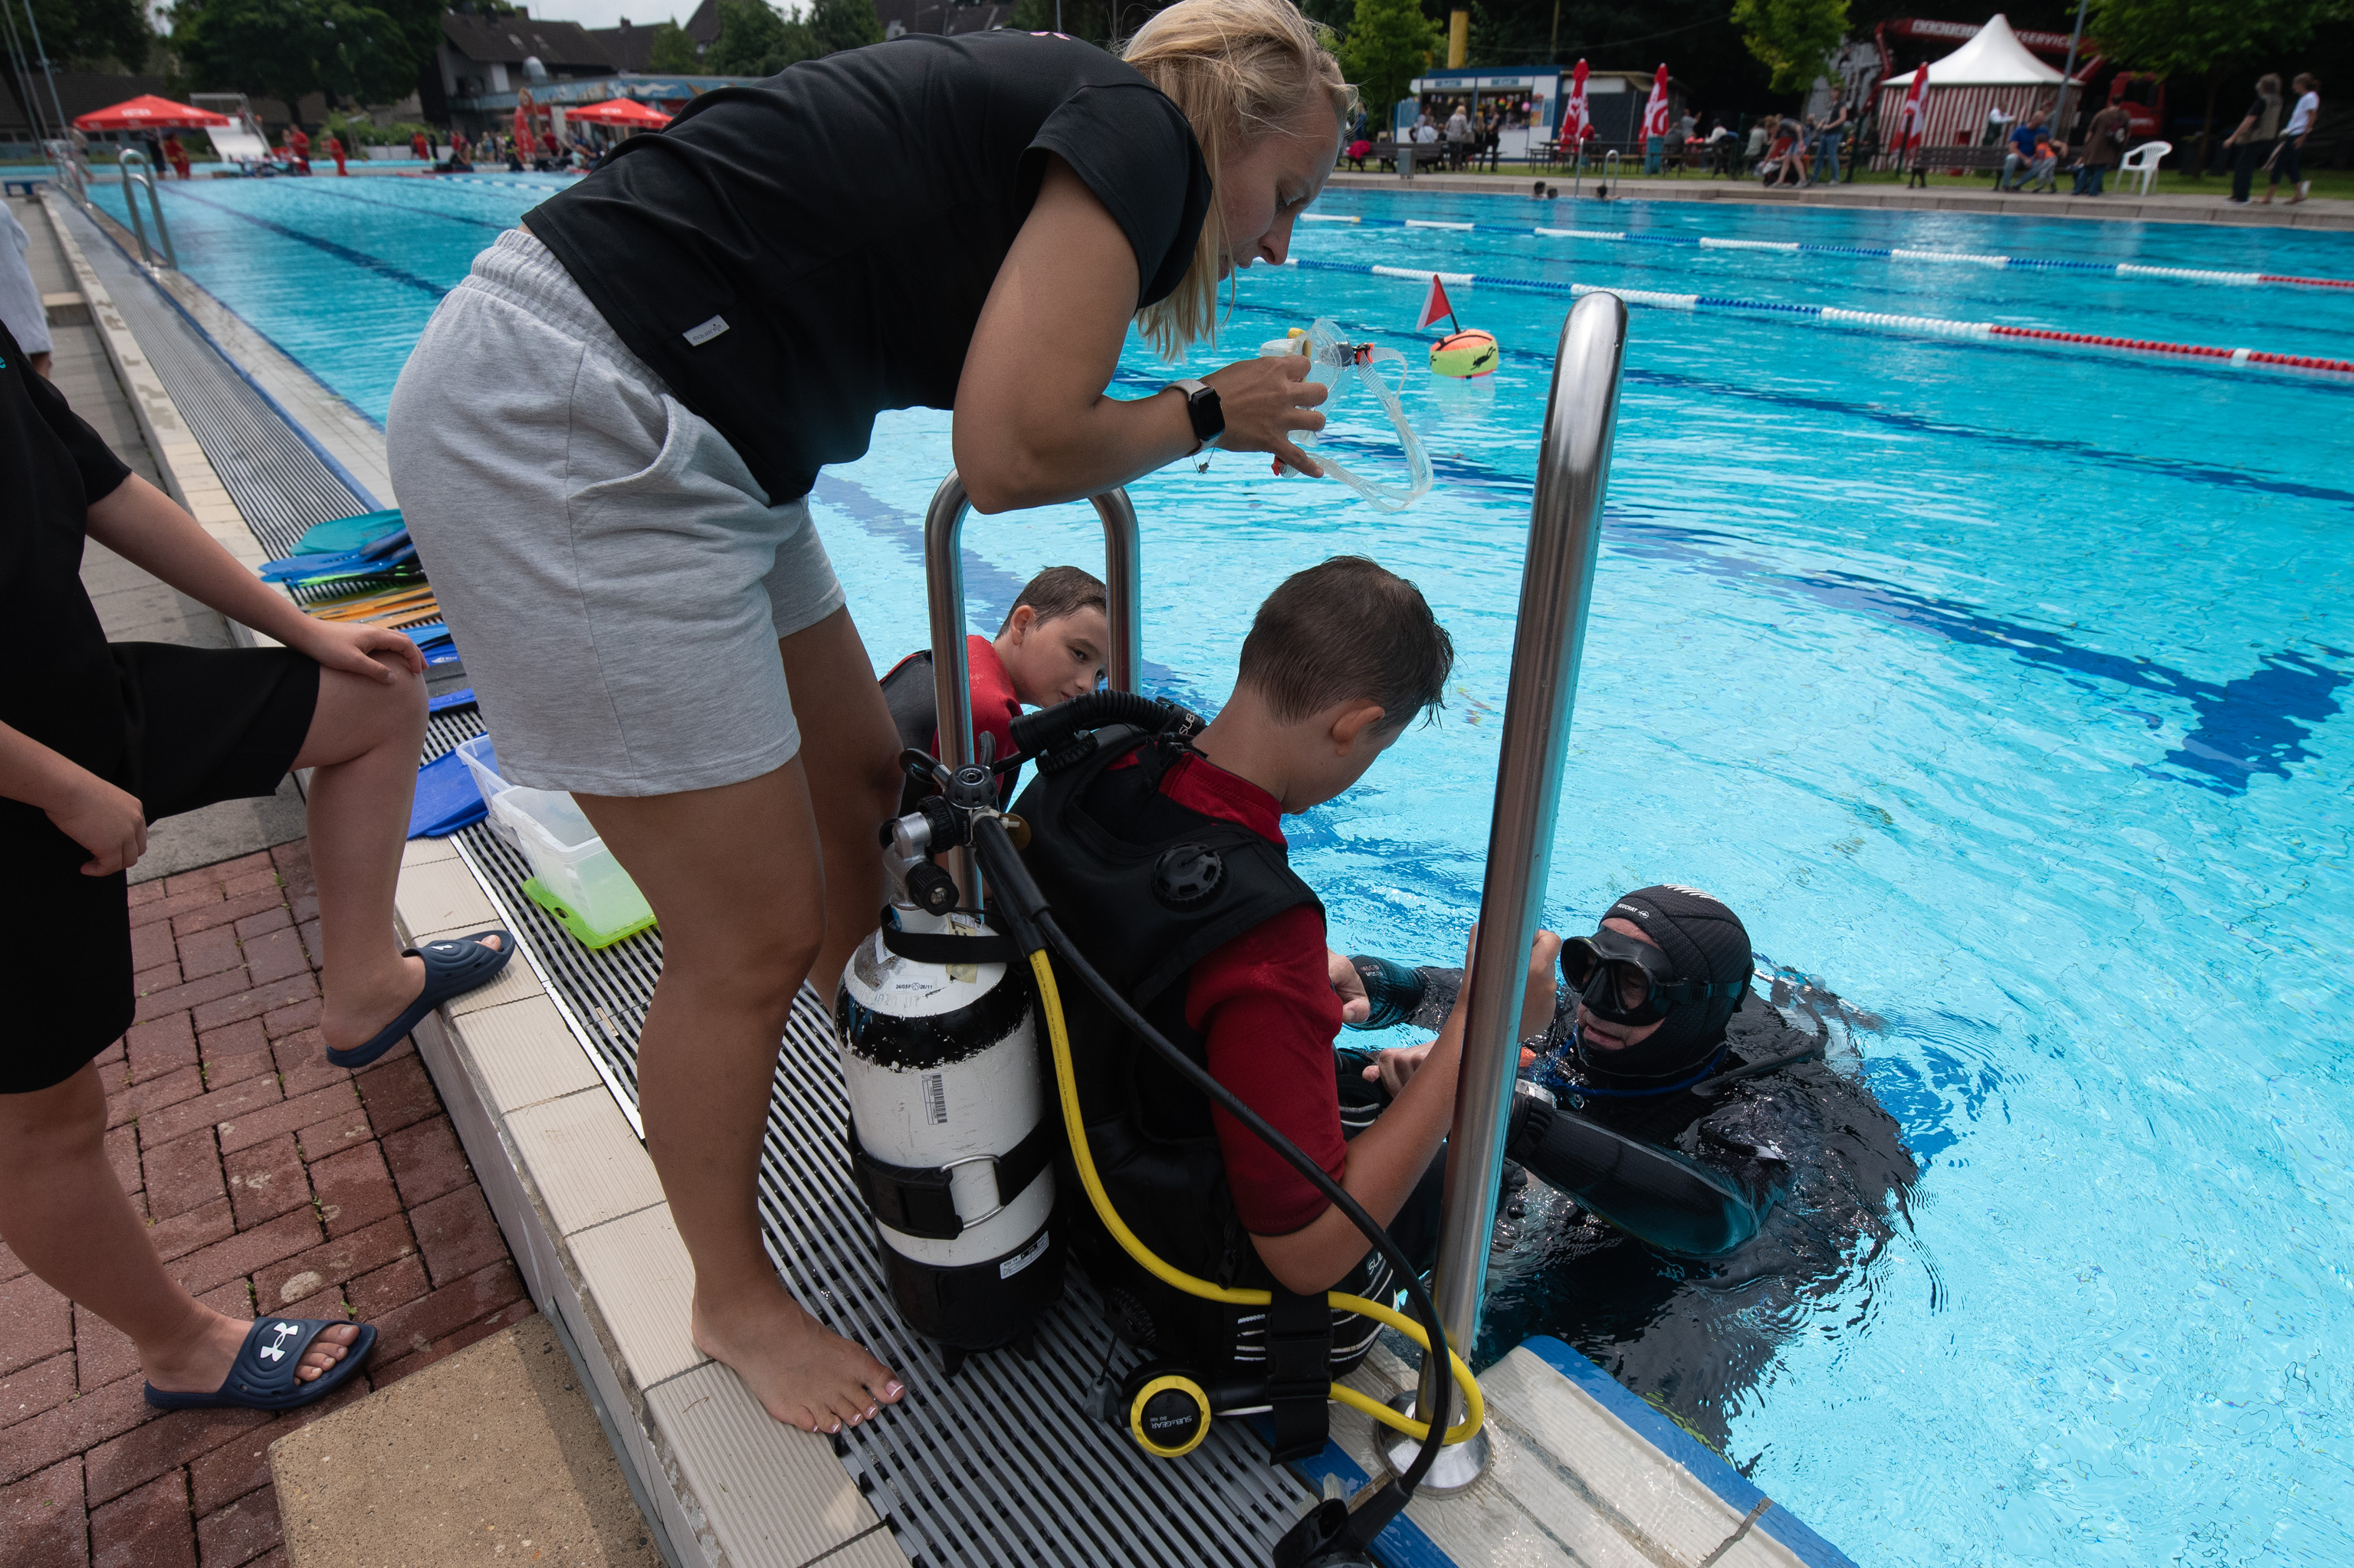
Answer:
(1626, 981)
(1344, 367)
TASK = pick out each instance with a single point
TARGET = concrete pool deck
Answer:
(2327, 213)
(1587, 1474)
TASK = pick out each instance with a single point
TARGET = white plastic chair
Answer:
(2143, 161)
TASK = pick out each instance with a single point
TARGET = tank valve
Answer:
(933, 890)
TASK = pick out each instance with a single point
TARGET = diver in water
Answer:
(1712, 1164)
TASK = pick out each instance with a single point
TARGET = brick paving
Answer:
(271, 1181)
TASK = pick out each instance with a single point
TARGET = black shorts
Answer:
(203, 724)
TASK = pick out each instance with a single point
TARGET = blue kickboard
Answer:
(446, 798)
(344, 534)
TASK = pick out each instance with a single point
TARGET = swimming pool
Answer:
(2001, 687)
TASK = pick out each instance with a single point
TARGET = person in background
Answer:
(2019, 162)
(298, 147)
(1754, 153)
(2104, 145)
(1828, 137)
(419, 148)
(1359, 150)
(1721, 144)
(2288, 158)
(20, 297)
(1458, 137)
(1052, 648)
(175, 155)
(2250, 140)
(1493, 142)
(335, 151)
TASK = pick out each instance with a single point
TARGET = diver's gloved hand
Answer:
(1659, 1196)
(1394, 993)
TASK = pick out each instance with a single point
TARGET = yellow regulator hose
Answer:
(1066, 1083)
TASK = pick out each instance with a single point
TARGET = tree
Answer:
(838, 25)
(1390, 43)
(672, 50)
(2200, 38)
(284, 48)
(89, 35)
(1793, 38)
(756, 39)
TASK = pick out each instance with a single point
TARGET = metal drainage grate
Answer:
(1004, 1464)
(276, 479)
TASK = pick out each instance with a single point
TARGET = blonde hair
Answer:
(1241, 71)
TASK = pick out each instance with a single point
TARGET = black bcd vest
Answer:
(1146, 889)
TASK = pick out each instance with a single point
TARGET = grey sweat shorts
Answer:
(615, 579)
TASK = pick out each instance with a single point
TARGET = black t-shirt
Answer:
(797, 256)
(61, 687)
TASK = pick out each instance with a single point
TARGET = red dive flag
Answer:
(1912, 118)
(1434, 304)
(1655, 114)
(1576, 122)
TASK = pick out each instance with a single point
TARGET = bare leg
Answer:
(362, 749)
(62, 1211)
(735, 877)
(854, 778)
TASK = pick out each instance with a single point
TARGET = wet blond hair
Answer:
(1241, 71)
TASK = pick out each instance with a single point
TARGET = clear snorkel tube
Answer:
(1342, 367)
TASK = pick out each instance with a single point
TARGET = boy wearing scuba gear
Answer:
(1050, 649)
(1169, 857)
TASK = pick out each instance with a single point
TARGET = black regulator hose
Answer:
(1033, 926)
(1037, 733)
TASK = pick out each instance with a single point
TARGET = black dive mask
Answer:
(1628, 981)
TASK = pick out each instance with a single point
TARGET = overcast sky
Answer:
(608, 12)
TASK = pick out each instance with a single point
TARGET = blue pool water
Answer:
(2003, 688)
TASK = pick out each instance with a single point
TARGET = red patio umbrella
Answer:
(618, 111)
(149, 112)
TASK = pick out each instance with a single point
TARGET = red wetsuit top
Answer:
(1264, 1005)
(908, 689)
(417, 145)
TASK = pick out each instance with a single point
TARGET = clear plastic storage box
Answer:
(570, 862)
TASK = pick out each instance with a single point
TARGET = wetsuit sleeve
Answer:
(1264, 1005)
(1654, 1195)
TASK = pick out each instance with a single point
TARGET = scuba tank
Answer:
(951, 1144)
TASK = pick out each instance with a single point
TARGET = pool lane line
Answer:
(1868, 252)
(1928, 326)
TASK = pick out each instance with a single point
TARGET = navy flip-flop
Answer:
(262, 1376)
(451, 969)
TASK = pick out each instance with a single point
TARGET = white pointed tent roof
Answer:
(1993, 58)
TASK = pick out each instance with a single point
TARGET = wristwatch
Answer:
(1202, 407)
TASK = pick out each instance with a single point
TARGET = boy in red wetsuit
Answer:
(1166, 861)
(335, 151)
(420, 148)
(1050, 649)
(175, 155)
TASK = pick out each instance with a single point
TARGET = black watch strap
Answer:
(1202, 407)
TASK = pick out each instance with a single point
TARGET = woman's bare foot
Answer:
(355, 1012)
(803, 1373)
(200, 1363)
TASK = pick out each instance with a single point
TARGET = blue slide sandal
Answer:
(451, 969)
(262, 1376)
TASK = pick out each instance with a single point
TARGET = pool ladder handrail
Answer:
(944, 592)
(144, 174)
(1606, 180)
(1556, 588)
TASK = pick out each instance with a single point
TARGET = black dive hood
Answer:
(1707, 948)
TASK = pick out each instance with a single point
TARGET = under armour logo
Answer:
(276, 1349)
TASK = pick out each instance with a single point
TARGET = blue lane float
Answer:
(1870, 252)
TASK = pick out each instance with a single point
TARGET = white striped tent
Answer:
(1993, 70)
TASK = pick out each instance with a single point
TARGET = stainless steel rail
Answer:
(136, 173)
(1557, 584)
(944, 590)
